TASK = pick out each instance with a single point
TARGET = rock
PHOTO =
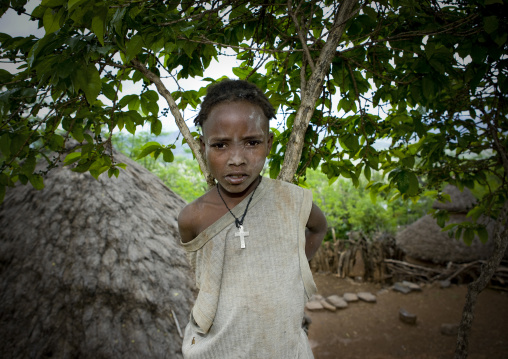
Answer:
(407, 317)
(337, 301)
(445, 283)
(382, 291)
(399, 287)
(350, 297)
(412, 286)
(327, 305)
(449, 329)
(367, 297)
(317, 297)
(314, 305)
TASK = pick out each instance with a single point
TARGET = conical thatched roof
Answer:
(93, 269)
(424, 240)
(461, 201)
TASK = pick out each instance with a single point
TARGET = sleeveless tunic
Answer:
(251, 301)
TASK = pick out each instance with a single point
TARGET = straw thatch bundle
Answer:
(93, 269)
(425, 240)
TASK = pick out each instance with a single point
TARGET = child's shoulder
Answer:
(192, 216)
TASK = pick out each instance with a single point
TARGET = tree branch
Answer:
(300, 35)
(180, 122)
(312, 92)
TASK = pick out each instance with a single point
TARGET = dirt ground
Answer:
(373, 330)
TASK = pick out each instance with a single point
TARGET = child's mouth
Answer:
(235, 179)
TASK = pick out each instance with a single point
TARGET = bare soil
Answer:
(373, 330)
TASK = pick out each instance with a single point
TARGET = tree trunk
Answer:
(489, 268)
(475, 288)
(312, 91)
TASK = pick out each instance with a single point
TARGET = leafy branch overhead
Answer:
(425, 79)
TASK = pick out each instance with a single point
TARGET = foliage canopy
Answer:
(427, 77)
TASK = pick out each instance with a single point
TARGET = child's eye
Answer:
(218, 145)
(253, 143)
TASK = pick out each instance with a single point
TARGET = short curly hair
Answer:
(230, 91)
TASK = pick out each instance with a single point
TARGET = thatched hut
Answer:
(93, 268)
(425, 240)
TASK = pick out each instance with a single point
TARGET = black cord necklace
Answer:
(239, 222)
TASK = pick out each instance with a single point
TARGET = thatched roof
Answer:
(93, 269)
(461, 201)
(424, 240)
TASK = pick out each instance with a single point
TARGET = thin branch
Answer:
(301, 36)
(180, 122)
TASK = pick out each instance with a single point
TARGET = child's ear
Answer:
(202, 144)
(270, 142)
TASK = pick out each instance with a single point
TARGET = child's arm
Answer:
(315, 231)
(186, 221)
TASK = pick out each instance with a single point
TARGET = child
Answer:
(249, 239)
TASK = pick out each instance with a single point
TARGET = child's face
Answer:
(236, 141)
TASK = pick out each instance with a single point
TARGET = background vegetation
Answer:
(346, 207)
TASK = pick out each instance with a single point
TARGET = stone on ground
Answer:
(449, 329)
(367, 297)
(317, 297)
(399, 287)
(350, 297)
(314, 305)
(407, 317)
(327, 305)
(337, 301)
(445, 283)
(412, 286)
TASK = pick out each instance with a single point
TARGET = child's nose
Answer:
(237, 157)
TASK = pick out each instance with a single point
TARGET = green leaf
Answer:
(53, 3)
(351, 142)
(167, 155)
(408, 161)
(133, 47)
(28, 166)
(5, 145)
(37, 181)
(414, 186)
(366, 171)
(87, 78)
(468, 236)
(475, 213)
(73, 3)
(98, 27)
(93, 85)
(127, 99)
(458, 232)
(482, 234)
(491, 24)
(148, 148)
(109, 91)
(156, 127)
(71, 158)
(5, 76)
(51, 20)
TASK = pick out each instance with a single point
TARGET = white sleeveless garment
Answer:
(251, 301)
